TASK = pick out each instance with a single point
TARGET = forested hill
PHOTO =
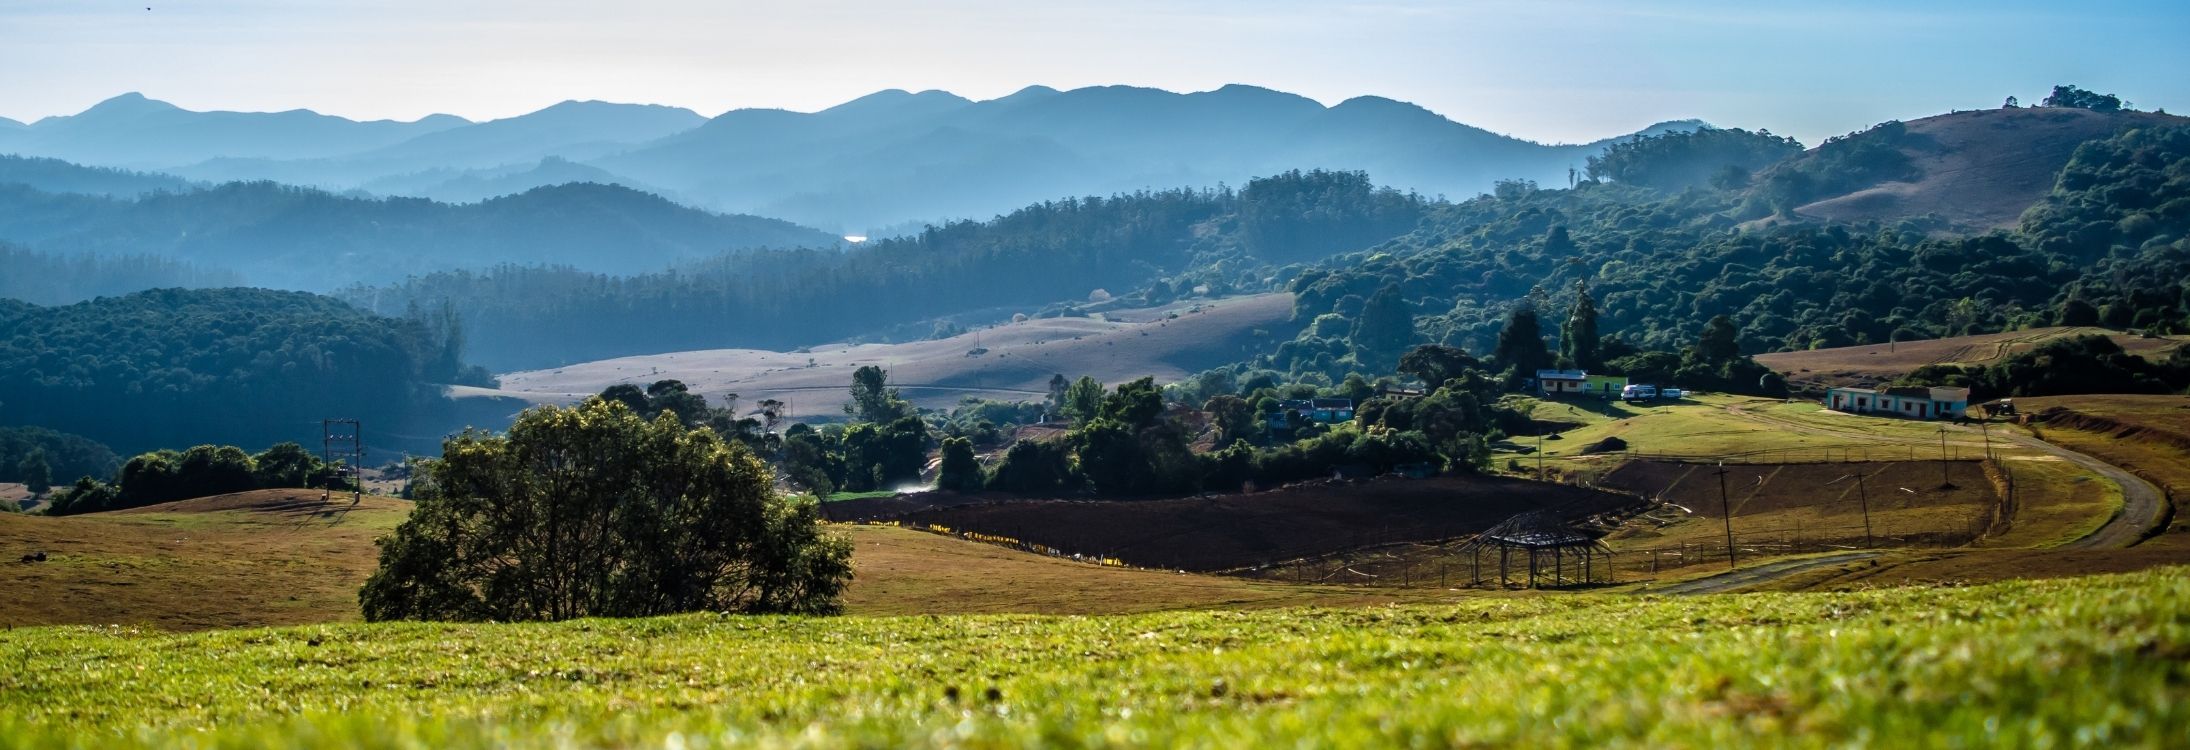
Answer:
(2105, 246)
(56, 176)
(252, 367)
(297, 238)
(1157, 245)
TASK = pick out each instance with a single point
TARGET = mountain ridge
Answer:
(858, 165)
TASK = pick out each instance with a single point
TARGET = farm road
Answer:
(1768, 572)
(2143, 506)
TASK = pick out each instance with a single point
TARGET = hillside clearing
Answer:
(1978, 666)
(1167, 343)
(1872, 364)
(1980, 169)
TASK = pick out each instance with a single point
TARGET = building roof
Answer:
(1562, 375)
(1536, 529)
(1334, 403)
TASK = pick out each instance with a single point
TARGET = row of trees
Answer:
(169, 475)
(2082, 364)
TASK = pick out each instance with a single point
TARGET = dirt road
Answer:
(1746, 577)
(2143, 506)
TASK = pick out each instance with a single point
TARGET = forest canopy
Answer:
(250, 367)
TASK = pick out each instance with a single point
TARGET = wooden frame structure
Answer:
(1546, 538)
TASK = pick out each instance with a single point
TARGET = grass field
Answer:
(281, 558)
(2149, 435)
(2090, 662)
(1871, 364)
(261, 558)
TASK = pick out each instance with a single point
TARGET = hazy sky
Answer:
(1542, 69)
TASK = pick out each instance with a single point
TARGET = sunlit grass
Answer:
(2091, 662)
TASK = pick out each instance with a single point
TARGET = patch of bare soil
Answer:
(1221, 532)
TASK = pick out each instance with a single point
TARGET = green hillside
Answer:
(1909, 667)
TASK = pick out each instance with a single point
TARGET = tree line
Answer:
(1038, 259)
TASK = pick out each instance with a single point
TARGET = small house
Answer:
(1560, 382)
(1578, 382)
(1914, 402)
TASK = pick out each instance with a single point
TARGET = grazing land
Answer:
(1871, 364)
(1167, 343)
(272, 557)
(1223, 532)
(1980, 169)
(282, 557)
(2146, 434)
(1913, 666)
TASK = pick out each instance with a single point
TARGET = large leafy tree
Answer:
(590, 511)
(872, 398)
(959, 471)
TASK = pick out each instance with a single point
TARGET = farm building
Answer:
(1578, 382)
(1915, 402)
(1555, 549)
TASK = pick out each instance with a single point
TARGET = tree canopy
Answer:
(590, 511)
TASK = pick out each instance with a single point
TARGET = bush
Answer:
(590, 511)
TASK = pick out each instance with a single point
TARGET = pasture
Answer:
(282, 557)
(1916, 666)
(1871, 364)
(1014, 363)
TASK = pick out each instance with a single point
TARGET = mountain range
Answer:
(884, 159)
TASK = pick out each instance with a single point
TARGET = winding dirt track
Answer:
(2143, 505)
(2143, 508)
(1745, 577)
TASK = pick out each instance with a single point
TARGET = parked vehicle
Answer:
(1638, 393)
(1671, 393)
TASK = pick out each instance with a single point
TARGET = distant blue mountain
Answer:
(132, 131)
(880, 160)
(896, 156)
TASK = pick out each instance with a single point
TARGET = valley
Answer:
(1151, 410)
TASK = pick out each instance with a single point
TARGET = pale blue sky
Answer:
(1547, 69)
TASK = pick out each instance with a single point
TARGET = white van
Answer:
(1638, 393)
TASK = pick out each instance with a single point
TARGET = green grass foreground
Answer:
(2099, 661)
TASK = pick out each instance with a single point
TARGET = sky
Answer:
(1548, 70)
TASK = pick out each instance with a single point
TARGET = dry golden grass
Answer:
(273, 557)
(282, 557)
(1873, 363)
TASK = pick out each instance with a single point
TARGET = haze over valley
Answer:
(857, 374)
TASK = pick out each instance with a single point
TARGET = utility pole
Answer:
(1863, 495)
(1945, 483)
(1726, 507)
(1539, 454)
